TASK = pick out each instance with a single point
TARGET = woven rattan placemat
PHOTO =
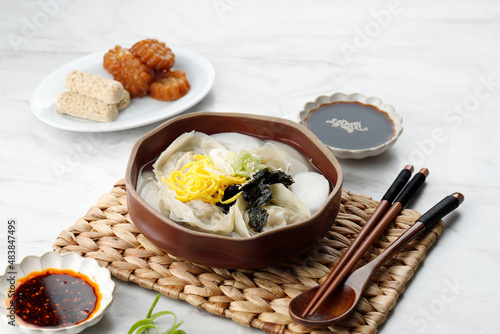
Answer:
(255, 298)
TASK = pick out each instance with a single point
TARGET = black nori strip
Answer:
(230, 191)
(257, 218)
(257, 178)
(278, 176)
(257, 193)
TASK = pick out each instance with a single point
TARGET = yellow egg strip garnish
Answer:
(232, 199)
(199, 179)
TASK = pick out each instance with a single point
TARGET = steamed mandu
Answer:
(232, 184)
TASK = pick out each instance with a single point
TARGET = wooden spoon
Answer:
(377, 223)
(341, 302)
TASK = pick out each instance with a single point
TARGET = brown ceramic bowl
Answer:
(226, 252)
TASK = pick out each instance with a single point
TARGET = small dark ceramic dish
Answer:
(226, 252)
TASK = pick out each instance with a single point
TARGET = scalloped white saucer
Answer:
(343, 153)
(72, 261)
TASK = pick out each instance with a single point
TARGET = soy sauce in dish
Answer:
(55, 298)
(350, 125)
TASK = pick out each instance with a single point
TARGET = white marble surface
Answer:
(436, 62)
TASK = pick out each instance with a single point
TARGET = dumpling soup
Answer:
(232, 184)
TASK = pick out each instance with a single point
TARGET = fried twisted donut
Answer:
(128, 69)
(154, 54)
(169, 86)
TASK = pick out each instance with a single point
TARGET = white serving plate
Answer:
(142, 111)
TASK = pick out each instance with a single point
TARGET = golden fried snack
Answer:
(154, 54)
(128, 69)
(169, 85)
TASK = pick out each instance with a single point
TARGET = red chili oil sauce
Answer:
(55, 298)
(350, 125)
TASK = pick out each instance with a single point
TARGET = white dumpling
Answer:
(286, 199)
(298, 162)
(273, 157)
(235, 142)
(218, 156)
(175, 162)
(148, 190)
(240, 225)
(277, 217)
(198, 214)
(284, 208)
(193, 141)
(312, 189)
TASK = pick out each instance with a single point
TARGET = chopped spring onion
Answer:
(234, 160)
(144, 325)
(244, 163)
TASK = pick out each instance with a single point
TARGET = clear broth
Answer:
(146, 181)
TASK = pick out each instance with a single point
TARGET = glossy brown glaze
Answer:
(341, 302)
(226, 252)
(337, 280)
(333, 279)
(338, 304)
(383, 215)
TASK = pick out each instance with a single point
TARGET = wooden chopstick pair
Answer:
(394, 200)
